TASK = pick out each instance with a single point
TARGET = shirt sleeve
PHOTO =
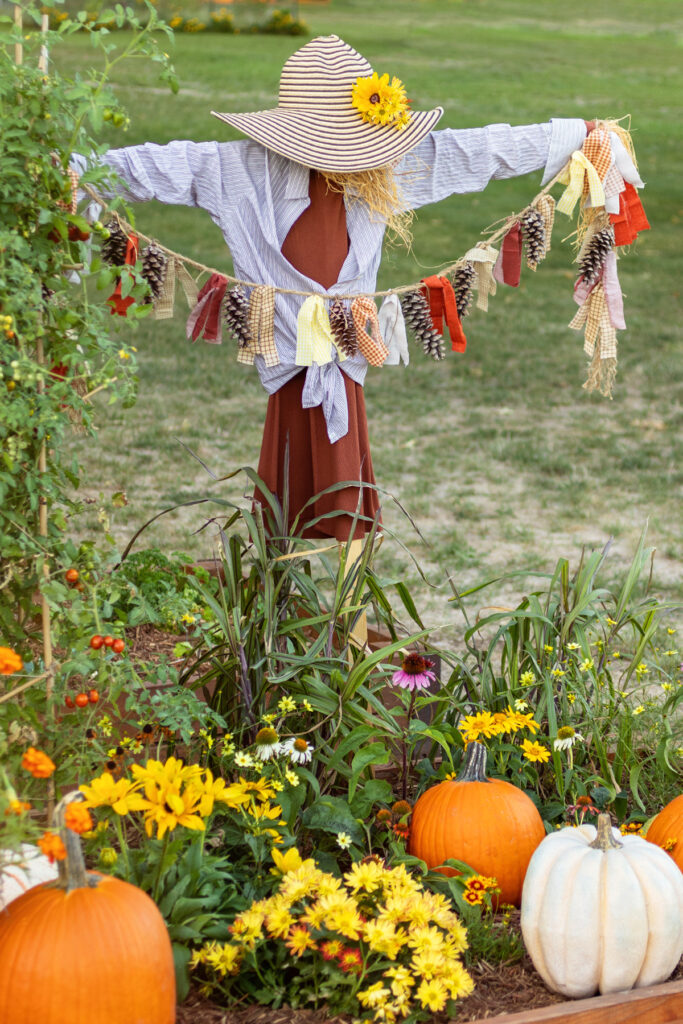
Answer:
(179, 173)
(465, 160)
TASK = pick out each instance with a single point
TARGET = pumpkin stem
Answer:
(474, 769)
(605, 840)
(72, 873)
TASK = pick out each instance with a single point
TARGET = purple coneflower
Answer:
(414, 673)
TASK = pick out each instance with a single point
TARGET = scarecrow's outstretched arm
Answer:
(179, 173)
(466, 160)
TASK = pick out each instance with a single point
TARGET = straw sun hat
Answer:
(335, 114)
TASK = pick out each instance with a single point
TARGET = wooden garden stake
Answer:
(42, 60)
(18, 48)
(359, 637)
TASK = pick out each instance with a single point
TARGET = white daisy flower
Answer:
(344, 840)
(298, 750)
(566, 737)
(267, 744)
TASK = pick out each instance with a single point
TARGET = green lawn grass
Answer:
(499, 455)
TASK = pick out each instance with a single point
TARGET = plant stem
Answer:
(123, 845)
(157, 880)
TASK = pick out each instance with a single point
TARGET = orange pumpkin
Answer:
(667, 828)
(86, 949)
(487, 823)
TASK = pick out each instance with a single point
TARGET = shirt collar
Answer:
(297, 181)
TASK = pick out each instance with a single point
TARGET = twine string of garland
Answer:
(401, 289)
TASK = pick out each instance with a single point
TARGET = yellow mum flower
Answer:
(225, 959)
(119, 794)
(366, 877)
(382, 937)
(433, 995)
(299, 940)
(374, 996)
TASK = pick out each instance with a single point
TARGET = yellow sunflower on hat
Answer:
(380, 101)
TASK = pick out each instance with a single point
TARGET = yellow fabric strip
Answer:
(314, 338)
(578, 171)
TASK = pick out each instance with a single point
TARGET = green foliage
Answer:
(596, 667)
(56, 343)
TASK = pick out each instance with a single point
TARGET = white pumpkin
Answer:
(601, 911)
(18, 875)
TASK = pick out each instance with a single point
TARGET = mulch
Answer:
(507, 988)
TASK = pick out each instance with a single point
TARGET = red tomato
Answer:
(96, 641)
(81, 700)
(108, 641)
(71, 575)
(118, 645)
(93, 696)
(69, 701)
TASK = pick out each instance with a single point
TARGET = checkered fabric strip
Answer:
(314, 338)
(262, 327)
(594, 316)
(598, 149)
(370, 345)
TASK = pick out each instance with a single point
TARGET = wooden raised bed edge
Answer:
(658, 1004)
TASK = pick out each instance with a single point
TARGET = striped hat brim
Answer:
(332, 140)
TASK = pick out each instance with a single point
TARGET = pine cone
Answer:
(419, 319)
(533, 234)
(595, 253)
(463, 281)
(154, 263)
(343, 328)
(114, 247)
(236, 315)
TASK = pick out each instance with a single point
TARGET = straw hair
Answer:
(378, 190)
(315, 122)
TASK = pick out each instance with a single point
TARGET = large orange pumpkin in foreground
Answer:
(86, 949)
(487, 823)
(667, 829)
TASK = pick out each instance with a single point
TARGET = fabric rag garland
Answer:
(601, 177)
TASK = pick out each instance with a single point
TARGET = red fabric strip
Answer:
(204, 320)
(511, 253)
(118, 304)
(443, 305)
(631, 217)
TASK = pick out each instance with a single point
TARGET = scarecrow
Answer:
(303, 204)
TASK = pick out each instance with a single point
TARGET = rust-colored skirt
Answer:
(315, 463)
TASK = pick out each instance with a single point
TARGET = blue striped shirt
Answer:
(255, 196)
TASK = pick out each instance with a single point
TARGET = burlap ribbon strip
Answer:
(443, 306)
(205, 319)
(118, 303)
(163, 307)
(314, 337)
(261, 326)
(392, 327)
(580, 171)
(370, 345)
(483, 257)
